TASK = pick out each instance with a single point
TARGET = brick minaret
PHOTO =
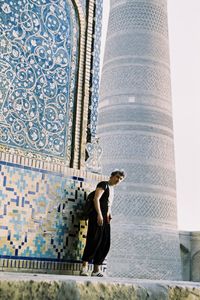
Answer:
(136, 132)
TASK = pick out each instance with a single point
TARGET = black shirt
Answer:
(104, 198)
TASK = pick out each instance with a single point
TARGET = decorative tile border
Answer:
(91, 98)
(47, 267)
(96, 68)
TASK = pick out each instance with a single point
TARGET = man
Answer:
(98, 234)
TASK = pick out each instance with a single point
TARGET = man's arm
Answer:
(98, 193)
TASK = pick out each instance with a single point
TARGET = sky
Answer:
(184, 41)
(184, 36)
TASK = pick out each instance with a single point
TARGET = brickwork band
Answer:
(136, 132)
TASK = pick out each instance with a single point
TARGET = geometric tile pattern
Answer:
(39, 214)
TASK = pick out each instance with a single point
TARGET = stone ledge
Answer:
(18, 286)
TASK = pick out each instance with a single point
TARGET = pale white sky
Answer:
(184, 35)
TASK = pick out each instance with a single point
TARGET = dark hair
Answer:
(120, 172)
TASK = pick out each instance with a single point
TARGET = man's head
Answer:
(116, 177)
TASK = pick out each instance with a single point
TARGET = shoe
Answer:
(98, 274)
(84, 272)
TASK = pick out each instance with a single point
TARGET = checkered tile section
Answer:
(39, 223)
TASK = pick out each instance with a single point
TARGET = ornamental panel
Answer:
(38, 50)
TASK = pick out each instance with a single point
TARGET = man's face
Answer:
(116, 179)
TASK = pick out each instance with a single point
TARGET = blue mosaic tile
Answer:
(41, 220)
(38, 208)
(96, 68)
(37, 63)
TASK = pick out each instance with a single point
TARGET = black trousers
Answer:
(97, 242)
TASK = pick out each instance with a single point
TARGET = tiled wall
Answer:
(39, 195)
(49, 68)
(37, 70)
(39, 218)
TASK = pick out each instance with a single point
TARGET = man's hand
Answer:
(100, 219)
(109, 218)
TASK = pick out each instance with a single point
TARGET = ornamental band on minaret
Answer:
(135, 128)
